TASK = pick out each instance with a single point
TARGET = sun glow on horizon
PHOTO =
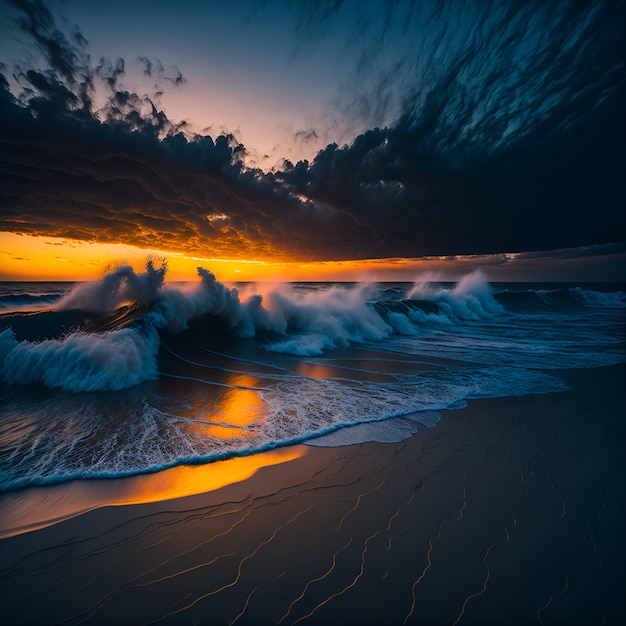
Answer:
(31, 258)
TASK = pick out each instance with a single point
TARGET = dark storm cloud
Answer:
(120, 180)
(126, 173)
(602, 250)
(510, 133)
(509, 138)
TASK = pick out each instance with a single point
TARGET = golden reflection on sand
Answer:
(39, 507)
(188, 480)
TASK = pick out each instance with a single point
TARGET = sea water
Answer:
(132, 374)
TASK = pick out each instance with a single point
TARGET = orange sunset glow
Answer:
(25, 257)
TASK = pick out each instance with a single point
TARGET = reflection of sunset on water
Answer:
(315, 370)
(239, 410)
(232, 413)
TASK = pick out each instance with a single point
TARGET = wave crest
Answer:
(121, 349)
(115, 289)
(107, 361)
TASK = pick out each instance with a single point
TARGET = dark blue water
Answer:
(132, 374)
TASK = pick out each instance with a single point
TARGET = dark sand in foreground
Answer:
(508, 512)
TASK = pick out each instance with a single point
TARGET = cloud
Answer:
(63, 55)
(111, 71)
(153, 68)
(13, 257)
(508, 136)
(505, 142)
(70, 176)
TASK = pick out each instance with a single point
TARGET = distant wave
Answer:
(24, 300)
(564, 300)
(14, 303)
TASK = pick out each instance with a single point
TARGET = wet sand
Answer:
(509, 511)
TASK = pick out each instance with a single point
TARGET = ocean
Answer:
(133, 374)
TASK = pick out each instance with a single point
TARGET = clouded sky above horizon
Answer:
(285, 131)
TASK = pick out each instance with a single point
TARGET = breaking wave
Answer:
(107, 361)
(132, 374)
(128, 309)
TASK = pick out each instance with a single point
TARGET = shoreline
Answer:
(505, 510)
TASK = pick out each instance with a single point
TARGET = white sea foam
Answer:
(105, 435)
(470, 299)
(319, 321)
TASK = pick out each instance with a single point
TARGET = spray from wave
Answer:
(288, 321)
(115, 289)
(471, 299)
(309, 323)
(122, 348)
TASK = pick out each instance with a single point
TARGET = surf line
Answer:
(212, 382)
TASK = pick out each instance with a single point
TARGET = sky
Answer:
(335, 140)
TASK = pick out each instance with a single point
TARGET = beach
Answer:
(507, 511)
(312, 313)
